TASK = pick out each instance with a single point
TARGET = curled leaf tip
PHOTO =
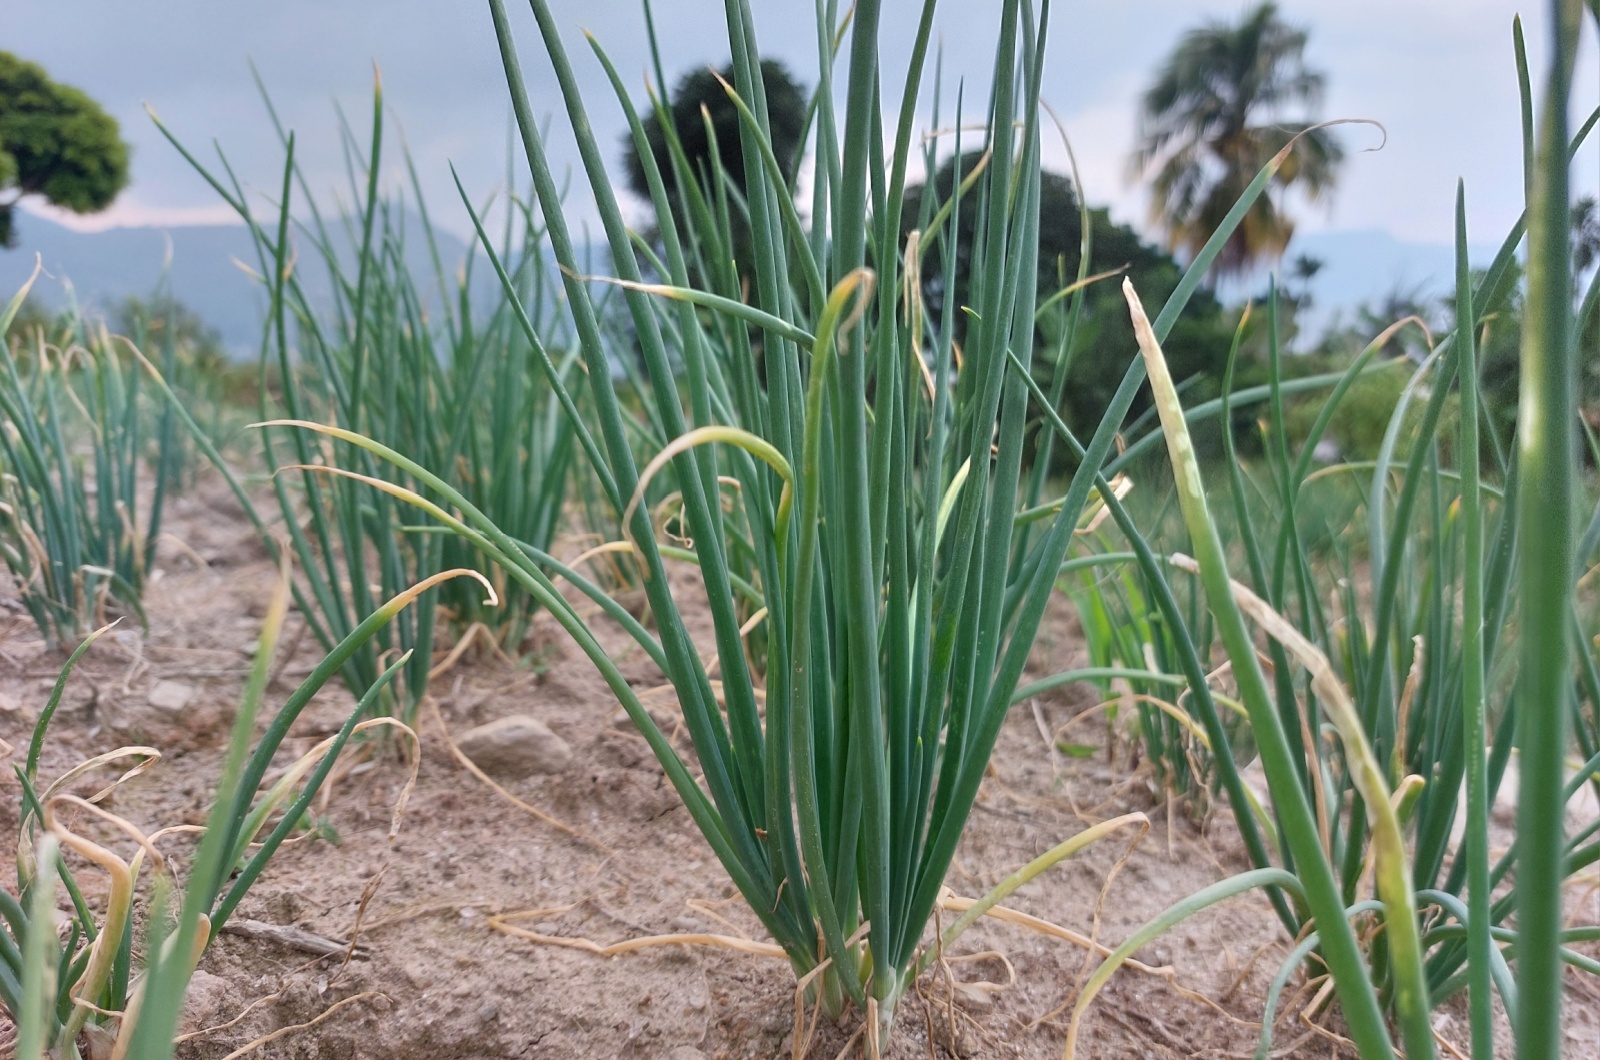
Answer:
(405, 597)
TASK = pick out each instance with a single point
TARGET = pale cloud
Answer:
(129, 212)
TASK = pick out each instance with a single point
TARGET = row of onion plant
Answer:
(432, 361)
(87, 459)
(874, 474)
(1388, 717)
(97, 988)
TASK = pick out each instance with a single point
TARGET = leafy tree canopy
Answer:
(55, 142)
(699, 94)
(1104, 342)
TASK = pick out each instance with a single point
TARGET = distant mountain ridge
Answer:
(208, 263)
(209, 268)
(101, 269)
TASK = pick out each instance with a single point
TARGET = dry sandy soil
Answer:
(433, 980)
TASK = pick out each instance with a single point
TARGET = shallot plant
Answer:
(426, 359)
(86, 993)
(85, 469)
(871, 466)
(1387, 720)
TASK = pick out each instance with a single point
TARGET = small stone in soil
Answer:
(13, 705)
(515, 747)
(170, 695)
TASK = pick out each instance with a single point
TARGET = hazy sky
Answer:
(1438, 73)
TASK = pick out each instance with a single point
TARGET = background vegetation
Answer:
(886, 427)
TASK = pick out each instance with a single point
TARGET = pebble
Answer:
(514, 747)
(686, 1052)
(170, 695)
(13, 705)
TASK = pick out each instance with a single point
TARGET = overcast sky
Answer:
(1438, 73)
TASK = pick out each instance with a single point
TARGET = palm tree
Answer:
(1214, 117)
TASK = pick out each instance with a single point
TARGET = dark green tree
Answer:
(699, 94)
(56, 143)
(706, 124)
(1214, 116)
(1500, 331)
(1104, 342)
(1500, 343)
(1585, 236)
